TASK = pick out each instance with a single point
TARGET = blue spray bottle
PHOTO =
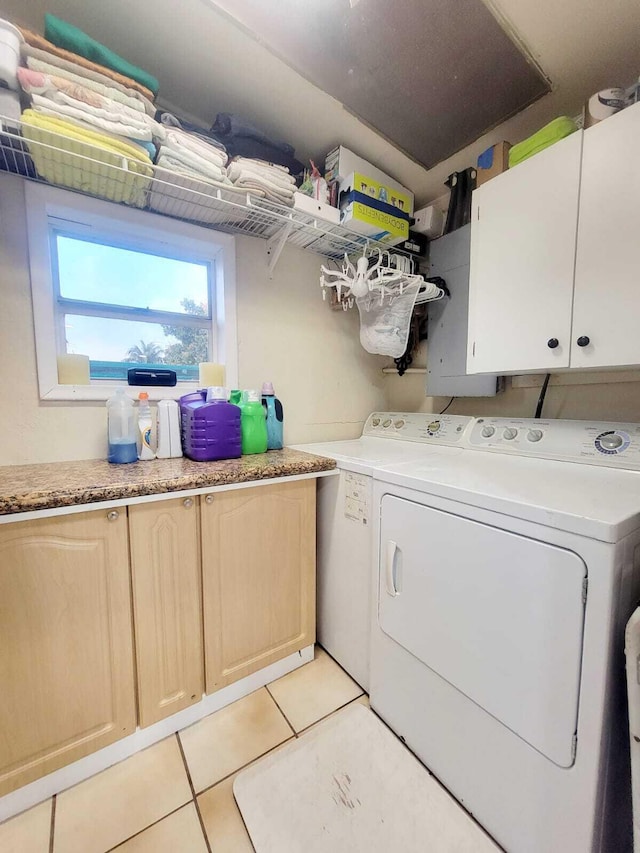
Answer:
(274, 415)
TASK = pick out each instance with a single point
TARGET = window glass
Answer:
(95, 272)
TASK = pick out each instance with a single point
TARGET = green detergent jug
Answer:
(253, 424)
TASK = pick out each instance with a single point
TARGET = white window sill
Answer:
(104, 390)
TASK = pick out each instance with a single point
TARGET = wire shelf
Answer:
(48, 157)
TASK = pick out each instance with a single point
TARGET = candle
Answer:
(211, 374)
(73, 370)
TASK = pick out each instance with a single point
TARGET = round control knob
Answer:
(488, 431)
(552, 343)
(399, 424)
(583, 341)
(534, 434)
(375, 422)
(612, 441)
(386, 424)
(509, 434)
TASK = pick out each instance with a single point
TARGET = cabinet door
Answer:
(607, 293)
(523, 240)
(258, 560)
(165, 564)
(66, 652)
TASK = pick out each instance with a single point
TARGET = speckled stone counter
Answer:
(24, 488)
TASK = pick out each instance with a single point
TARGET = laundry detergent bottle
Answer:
(122, 428)
(274, 415)
(253, 424)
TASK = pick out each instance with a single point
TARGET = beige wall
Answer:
(286, 333)
(609, 401)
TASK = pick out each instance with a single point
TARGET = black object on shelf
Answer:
(461, 184)
(151, 376)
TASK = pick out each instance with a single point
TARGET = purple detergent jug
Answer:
(210, 426)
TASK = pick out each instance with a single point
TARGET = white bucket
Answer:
(10, 41)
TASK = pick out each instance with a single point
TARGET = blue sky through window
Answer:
(115, 276)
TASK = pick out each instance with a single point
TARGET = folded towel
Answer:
(229, 126)
(96, 118)
(76, 102)
(66, 36)
(183, 164)
(258, 188)
(244, 146)
(171, 120)
(178, 140)
(111, 91)
(71, 157)
(36, 41)
(273, 175)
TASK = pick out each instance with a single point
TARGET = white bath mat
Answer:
(350, 786)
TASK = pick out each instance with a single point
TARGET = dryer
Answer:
(504, 577)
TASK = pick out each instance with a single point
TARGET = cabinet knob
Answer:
(113, 515)
(583, 341)
(209, 499)
(552, 343)
(187, 502)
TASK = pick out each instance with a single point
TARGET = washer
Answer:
(504, 577)
(345, 543)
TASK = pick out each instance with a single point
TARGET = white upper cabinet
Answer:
(554, 263)
(523, 239)
(606, 310)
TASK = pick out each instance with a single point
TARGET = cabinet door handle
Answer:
(113, 515)
(209, 499)
(390, 569)
(188, 503)
(583, 341)
(552, 343)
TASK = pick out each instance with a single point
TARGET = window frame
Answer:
(51, 209)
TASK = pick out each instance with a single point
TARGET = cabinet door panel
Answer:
(523, 239)
(607, 279)
(258, 548)
(66, 652)
(165, 564)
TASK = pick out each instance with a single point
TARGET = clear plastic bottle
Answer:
(253, 424)
(121, 418)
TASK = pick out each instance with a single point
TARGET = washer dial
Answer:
(612, 442)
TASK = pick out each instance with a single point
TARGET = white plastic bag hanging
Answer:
(384, 322)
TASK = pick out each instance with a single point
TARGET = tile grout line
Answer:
(244, 766)
(331, 713)
(193, 793)
(52, 827)
(145, 828)
(281, 711)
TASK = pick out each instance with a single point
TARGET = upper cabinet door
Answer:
(523, 242)
(607, 294)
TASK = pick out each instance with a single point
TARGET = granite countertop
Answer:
(24, 488)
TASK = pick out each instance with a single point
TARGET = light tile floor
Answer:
(177, 795)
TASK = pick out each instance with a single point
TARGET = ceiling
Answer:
(207, 63)
(430, 81)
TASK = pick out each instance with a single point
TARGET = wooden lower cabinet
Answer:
(165, 566)
(258, 564)
(66, 653)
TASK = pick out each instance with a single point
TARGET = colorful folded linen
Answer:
(36, 41)
(66, 36)
(58, 96)
(71, 156)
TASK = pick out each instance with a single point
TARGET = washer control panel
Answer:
(596, 443)
(413, 426)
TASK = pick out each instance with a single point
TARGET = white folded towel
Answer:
(183, 142)
(274, 177)
(246, 178)
(98, 118)
(252, 163)
(183, 164)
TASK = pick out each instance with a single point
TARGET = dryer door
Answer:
(498, 615)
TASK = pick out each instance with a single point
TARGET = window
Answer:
(126, 288)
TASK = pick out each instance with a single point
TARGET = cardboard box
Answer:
(309, 205)
(492, 162)
(373, 190)
(342, 165)
(373, 218)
